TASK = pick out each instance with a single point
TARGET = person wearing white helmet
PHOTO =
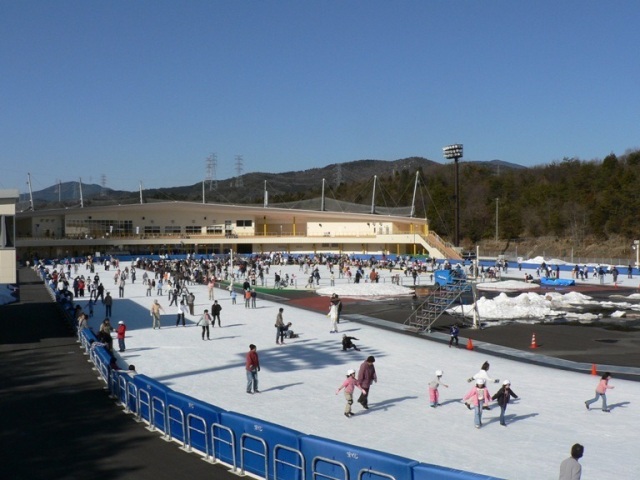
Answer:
(434, 396)
(502, 396)
(479, 397)
(349, 384)
(484, 375)
(120, 334)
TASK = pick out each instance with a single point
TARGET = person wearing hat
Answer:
(503, 396)
(434, 396)
(366, 377)
(349, 384)
(120, 332)
(478, 397)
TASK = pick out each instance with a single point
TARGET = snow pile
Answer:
(366, 290)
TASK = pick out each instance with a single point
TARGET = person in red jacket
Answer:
(252, 366)
(120, 332)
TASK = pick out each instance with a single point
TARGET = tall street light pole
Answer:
(454, 152)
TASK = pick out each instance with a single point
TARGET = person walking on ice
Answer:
(252, 366)
(479, 397)
(601, 391)
(366, 377)
(434, 396)
(349, 385)
(155, 310)
(333, 315)
(205, 321)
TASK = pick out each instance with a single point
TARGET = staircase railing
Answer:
(439, 301)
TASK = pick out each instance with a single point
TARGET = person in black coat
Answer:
(503, 396)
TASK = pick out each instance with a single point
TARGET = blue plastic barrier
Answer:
(424, 471)
(103, 362)
(190, 422)
(330, 459)
(256, 451)
(152, 401)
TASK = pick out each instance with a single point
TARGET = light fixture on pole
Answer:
(454, 152)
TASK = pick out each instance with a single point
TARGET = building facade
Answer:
(203, 228)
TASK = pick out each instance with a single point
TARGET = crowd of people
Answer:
(177, 276)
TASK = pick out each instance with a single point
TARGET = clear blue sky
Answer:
(147, 90)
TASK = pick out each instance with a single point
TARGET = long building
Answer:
(206, 228)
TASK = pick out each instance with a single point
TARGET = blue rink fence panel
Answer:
(190, 422)
(152, 401)
(255, 446)
(425, 471)
(256, 441)
(332, 459)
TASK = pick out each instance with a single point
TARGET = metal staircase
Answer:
(442, 298)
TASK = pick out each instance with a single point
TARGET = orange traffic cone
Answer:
(469, 345)
(594, 370)
(533, 341)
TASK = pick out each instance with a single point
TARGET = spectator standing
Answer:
(121, 287)
(104, 334)
(503, 396)
(120, 334)
(366, 377)
(252, 367)
(601, 391)
(254, 297)
(570, 468)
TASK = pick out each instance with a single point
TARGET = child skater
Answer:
(349, 385)
(434, 396)
(479, 396)
(601, 391)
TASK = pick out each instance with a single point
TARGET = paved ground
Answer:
(599, 344)
(59, 422)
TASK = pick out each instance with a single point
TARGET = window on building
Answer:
(7, 234)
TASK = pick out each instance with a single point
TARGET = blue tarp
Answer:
(557, 282)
